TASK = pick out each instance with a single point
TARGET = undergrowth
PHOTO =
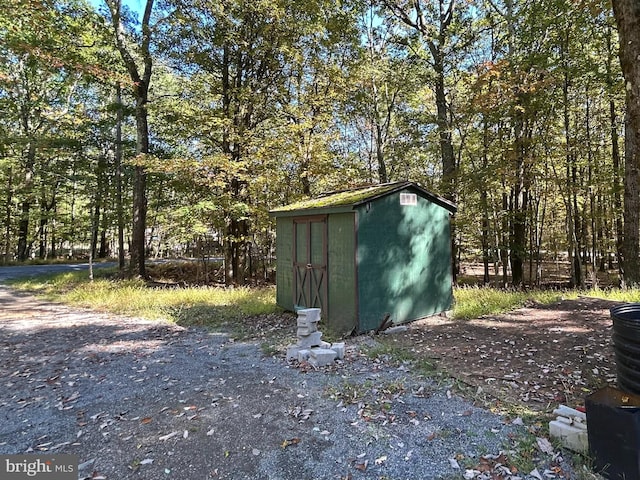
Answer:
(211, 306)
(474, 302)
(202, 306)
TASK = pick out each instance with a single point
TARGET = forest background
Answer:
(172, 129)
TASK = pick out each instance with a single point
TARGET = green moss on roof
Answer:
(344, 198)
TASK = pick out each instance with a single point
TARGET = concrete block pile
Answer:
(310, 347)
(570, 427)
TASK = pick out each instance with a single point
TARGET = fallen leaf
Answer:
(86, 464)
(517, 421)
(287, 443)
(362, 466)
(146, 420)
(536, 474)
(544, 445)
(168, 436)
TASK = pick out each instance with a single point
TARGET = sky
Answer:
(134, 5)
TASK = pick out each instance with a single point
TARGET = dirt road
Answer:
(151, 400)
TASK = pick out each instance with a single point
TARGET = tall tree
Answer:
(380, 86)
(40, 41)
(433, 21)
(439, 25)
(140, 83)
(258, 67)
(610, 85)
(627, 14)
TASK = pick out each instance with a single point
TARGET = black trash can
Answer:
(613, 429)
(626, 345)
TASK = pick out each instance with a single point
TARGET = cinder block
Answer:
(321, 357)
(312, 340)
(572, 437)
(303, 355)
(304, 331)
(305, 322)
(339, 349)
(311, 315)
(292, 352)
(396, 329)
(324, 344)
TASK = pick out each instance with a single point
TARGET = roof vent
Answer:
(408, 199)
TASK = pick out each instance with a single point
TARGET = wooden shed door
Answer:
(310, 262)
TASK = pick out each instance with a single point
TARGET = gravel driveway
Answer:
(151, 400)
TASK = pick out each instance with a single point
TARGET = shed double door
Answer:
(310, 262)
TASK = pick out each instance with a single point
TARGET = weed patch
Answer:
(474, 302)
(241, 310)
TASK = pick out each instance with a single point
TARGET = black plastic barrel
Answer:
(626, 345)
(613, 421)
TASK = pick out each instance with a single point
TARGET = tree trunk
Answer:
(42, 234)
(54, 251)
(627, 13)
(45, 221)
(615, 153)
(103, 251)
(518, 235)
(140, 90)
(577, 228)
(484, 206)
(518, 208)
(304, 150)
(504, 247)
(23, 224)
(140, 192)
(23, 231)
(592, 170)
(9, 200)
(631, 240)
(118, 166)
(380, 143)
(617, 199)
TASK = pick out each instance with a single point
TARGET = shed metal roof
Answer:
(346, 200)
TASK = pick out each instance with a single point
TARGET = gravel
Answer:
(151, 400)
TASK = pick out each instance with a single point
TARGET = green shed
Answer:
(364, 253)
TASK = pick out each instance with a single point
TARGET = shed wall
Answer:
(342, 302)
(403, 259)
(284, 262)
